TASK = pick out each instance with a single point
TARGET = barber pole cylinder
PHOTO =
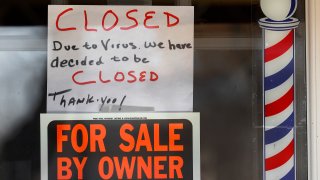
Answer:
(278, 84)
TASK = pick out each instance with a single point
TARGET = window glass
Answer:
(227, 85)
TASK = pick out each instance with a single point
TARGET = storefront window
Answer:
(228, 86)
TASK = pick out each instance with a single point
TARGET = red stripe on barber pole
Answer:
(280, 104)
(280, 48)
(280, 158)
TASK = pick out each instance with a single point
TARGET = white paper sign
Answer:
(120, 56)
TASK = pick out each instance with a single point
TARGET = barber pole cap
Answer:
(279, 15)
(278, 10)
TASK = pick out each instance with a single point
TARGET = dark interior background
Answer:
(227, 85)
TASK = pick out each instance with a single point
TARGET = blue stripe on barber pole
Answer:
(277, 133)
(289, 176)
(279, 78)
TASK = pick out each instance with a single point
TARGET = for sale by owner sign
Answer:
(120, 146)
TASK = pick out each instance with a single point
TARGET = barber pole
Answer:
(279, 100)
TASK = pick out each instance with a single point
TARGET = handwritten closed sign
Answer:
(120, 56)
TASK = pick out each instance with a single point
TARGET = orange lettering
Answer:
(175, 165)
(143, 138)
(109, 173)
(174, 137)
(80, 165)
(74, 136)
(97, 138)
(159, 167)
(157, 146)
(126, 137)
(60, 136)
(64, 171)
(124, 167)
(142, 165)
